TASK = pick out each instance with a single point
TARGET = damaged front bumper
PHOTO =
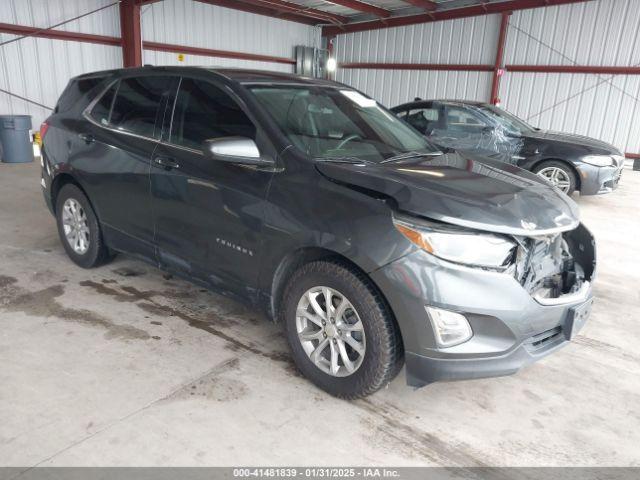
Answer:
(599, 180)
(515, 320)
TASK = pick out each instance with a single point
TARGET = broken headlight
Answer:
(468, 247)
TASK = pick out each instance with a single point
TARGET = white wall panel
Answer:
(602, 32)
(185, 22)
(465, 41)
(39, 69)
(44, 13)
(393, 87)
(167, 58)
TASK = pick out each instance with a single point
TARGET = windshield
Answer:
(328, 123)
(508, 122)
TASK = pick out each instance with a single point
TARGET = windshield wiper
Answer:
(350, 160)
(413, 154)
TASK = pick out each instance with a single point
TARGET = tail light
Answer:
(43, 131)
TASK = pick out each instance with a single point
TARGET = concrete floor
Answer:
(120, 366)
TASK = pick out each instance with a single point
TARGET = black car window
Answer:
(75, 90)
(102, 109)
(425, 120)
(464, 120)
(137, 103)
(204, 111)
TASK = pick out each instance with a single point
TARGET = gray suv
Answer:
(311, 201)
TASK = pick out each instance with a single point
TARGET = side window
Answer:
(137, 103)
(203, 111)
(402, 114)
(75, 91)
(425, 120)
(102, 109)
(464, 120)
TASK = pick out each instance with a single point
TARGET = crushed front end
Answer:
(515, 315)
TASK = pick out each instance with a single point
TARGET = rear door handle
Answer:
(87, 137)
(166, 163)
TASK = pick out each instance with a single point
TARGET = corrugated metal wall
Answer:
(466, 41)
(592, 33)
(601, 32)
(39, 69)
(185, 22)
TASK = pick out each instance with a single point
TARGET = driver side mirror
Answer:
(240, 150)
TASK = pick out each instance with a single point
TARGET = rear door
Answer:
(113, 155)
(208, 214)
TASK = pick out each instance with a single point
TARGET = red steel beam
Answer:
(268, 12)
(362, 7)
(439, 15)
(156, 46)
(418, 66)
(130, 33)
(502, 39)
(210, 52)
(297, 9)
(58, 34)
(426, 4)
(592, 69)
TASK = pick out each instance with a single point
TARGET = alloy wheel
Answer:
(557, 177)
(76, 226)
(330, 331)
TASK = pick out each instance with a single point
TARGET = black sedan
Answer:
(570, 162)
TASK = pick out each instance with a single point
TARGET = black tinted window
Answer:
(425, 120)
(102, 109)
(75, 90)
(204, 111)
(137, 103)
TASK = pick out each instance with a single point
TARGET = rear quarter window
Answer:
(74, 92)
(133, 105)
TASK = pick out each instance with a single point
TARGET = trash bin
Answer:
(15, 140)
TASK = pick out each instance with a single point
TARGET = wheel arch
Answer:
(565, 162)
(294, 260)
(60, 180)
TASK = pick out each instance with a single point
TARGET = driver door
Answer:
(208, 214)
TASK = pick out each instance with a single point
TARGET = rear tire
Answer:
(366, 324)
(558, 174)
(79, 229)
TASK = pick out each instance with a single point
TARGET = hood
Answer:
(460, 190)
(580, 140)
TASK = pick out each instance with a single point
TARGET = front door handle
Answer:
(166, 162)
(87, 137)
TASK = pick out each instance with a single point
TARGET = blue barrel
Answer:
(15, 140)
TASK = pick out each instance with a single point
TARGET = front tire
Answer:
(348, 346)
(559, 174)
(79, 228)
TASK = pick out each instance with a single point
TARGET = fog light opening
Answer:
(450, 328)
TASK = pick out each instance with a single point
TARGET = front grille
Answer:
(541, 340)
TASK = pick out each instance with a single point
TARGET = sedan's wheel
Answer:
(330, 331)
(558, 174)
(75, 225)
(342, 335)
(79, 228)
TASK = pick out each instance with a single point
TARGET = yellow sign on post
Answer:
(181, 57)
